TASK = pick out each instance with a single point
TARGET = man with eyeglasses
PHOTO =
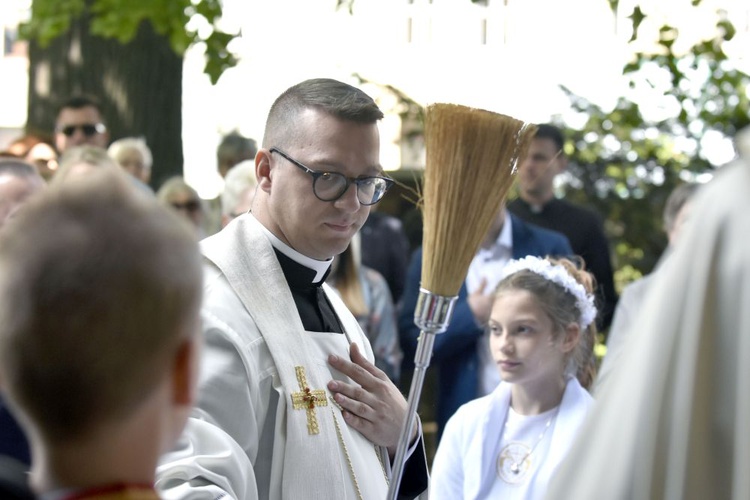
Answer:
(80, 121)
(290, 403)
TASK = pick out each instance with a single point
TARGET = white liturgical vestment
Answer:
(673, 419)
(265, 425)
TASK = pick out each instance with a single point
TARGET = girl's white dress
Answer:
(466, 462)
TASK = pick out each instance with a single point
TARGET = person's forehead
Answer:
(181, 195)
(130, 154)
(41, 150)
(513, 301)
(86, 114)
(544, 144)
(337, 142)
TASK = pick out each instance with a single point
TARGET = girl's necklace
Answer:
(514, 460)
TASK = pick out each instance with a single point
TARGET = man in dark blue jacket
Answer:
(461, 354)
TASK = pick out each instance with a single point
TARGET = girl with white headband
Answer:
(509, 443)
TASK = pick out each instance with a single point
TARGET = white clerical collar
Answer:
(319, 266)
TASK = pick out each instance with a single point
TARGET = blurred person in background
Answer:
(630, 305)
(37, 150)
(233, 149)
(178, 194)
(385, 248)
(365, 292)
(584, 228)
(134, 156)
(239, 191)
(80, 121)
(19, 181)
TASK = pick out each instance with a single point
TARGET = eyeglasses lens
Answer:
(331, 186)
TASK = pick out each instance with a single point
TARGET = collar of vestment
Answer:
(306, 270)
(305, 277)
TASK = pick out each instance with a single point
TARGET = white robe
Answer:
(465, 464)
(244, 439)
(673, 421)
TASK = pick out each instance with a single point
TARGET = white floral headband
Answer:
(559, 275)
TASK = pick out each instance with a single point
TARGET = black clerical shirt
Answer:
(314, 308)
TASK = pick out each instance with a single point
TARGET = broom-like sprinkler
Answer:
(471, 158)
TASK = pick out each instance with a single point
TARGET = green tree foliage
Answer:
(625, 162)
(121, 19)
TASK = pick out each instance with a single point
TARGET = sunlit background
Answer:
(508, 56)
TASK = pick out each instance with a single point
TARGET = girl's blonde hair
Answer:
(345, 277)
(562, 308)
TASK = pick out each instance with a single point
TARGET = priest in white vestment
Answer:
(673, 421)
(291, 405)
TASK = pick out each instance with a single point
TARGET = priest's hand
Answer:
(374, 406)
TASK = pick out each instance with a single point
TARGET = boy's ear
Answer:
(184, 372)
(572, 334)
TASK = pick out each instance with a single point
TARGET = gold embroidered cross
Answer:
(307, 399)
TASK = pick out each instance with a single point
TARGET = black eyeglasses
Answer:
(330, 186)
(88, 129)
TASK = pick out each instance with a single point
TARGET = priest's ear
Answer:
(264, 170)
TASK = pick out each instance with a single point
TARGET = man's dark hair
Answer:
(331, 96)
(81, 101)
(547, 131)
(234, 148)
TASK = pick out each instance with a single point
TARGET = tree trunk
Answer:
(139, 85)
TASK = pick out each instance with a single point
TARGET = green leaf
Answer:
(636, 18)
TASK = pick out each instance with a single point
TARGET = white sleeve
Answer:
(207, 464)
(447, 474)
(212, 457)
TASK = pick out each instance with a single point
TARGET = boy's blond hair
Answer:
(99, 285)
